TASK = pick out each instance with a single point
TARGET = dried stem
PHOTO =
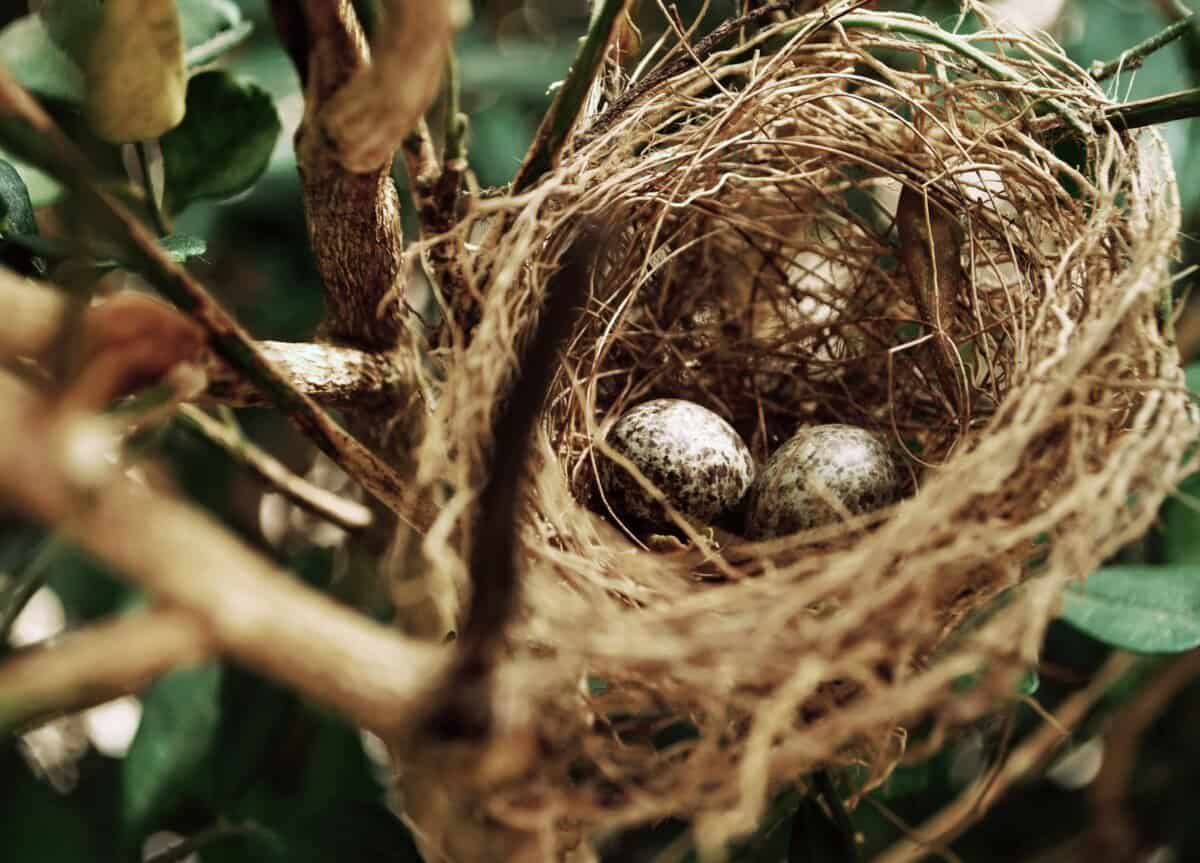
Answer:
(255, 611)
(37, 136)
(346, 514)
(93, 665)
(1132, 58)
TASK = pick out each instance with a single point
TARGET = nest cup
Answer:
(756, 268)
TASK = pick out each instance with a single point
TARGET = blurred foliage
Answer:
(258, 774)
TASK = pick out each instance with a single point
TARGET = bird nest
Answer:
(862, 221)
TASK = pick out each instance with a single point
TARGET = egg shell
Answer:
(695, 458)
(852, 464)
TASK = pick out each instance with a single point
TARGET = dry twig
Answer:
(255, 611)
(93, 665)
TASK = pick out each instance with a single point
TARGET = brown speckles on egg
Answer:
(692, 455)
(852, 464)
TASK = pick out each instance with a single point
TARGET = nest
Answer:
(758, 269)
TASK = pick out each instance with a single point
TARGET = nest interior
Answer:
(851, 220)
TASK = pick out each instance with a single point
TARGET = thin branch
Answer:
(337, 377)
(39, 138)
(90, 666)
(564, 112)
(255, 611)
(1032, 754)
(1150, 112)
(1132, 58)
(346, 514)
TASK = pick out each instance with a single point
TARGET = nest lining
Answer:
(758, 271)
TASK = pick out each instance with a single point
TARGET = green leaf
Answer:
(173, 745)
(1191, 376)
(184, 247)
(210, 28)
(40, 826)
(34, 59)
(16, 209)
(181, 248)
(1145, 609)
(16, 218)
(1181, 524)
(223, 144)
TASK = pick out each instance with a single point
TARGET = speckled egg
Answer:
(852, 464)
(694, 457)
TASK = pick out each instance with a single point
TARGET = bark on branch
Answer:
(353, 218)
(337, 377)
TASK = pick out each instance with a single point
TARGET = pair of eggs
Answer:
(704, 469)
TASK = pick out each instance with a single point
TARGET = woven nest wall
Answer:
(757, 269)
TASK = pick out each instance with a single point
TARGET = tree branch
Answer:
(94, 665)
(255, 611)
(346, 514)
(334, 376)
(1151, 112)
(353, 218)
(1133, 58)
(37, 138)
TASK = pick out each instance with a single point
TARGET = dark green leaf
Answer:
(16, 217)
(39, 825)
(1192, 377)
(33, 58)
(16, 209)
(817, 838)
(1181, 524)
(223, 144)
(173, 745)
(181, 248)
(1146, 609)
